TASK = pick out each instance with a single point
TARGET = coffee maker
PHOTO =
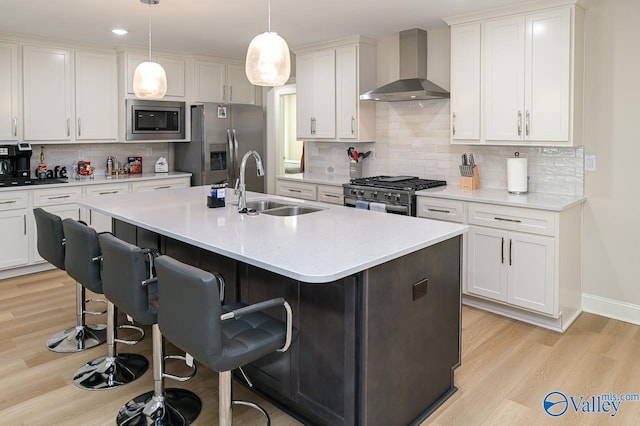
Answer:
(15, 160)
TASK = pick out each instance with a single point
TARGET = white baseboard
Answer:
(610, 308)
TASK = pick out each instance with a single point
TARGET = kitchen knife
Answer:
(472, 162)
(464, 159)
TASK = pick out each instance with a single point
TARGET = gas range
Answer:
(11, 182)
(396, 193)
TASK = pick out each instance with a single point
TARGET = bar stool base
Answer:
(177, 407)
(78, 338)
(110, 372)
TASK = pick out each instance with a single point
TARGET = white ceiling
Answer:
(225, 28)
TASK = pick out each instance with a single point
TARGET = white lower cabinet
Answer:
(156, 185)
(98, 221)
(520, 262)
(302, 190)
(59, 201)
(13, 226)
(331, 194)
(512, 267)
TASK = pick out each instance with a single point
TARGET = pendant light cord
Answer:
(149, 32)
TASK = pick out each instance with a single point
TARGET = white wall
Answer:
(611, 248)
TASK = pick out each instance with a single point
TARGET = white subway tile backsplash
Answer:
(413, 138)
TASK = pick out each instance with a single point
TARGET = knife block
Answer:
(470, 182)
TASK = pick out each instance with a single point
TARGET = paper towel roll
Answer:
(517, 175)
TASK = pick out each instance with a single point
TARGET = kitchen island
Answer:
(376, 297)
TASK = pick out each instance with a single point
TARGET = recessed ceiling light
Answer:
(119, 31)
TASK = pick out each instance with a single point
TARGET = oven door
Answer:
(401, 209)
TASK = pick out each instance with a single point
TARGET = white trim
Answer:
(560, 324)
(24, 270)
(610, 308)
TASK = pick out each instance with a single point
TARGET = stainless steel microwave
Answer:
(155, 120)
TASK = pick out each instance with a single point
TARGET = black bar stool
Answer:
(127, 273)
(51, 246)
(221, 337)
(113, 370)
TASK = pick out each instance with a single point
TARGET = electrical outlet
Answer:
(590, 163)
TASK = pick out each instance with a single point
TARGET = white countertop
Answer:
(322, 179)
(531, 200)
(100, 179)
(316, 247)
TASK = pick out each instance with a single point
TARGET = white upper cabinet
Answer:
(531, 74)
(174, 68)
(8, 92)
(465, 82)
(240, 90)
(329, 80)
(221, 82)
(47, 79)
(96, 96)
(316, 94)
(527, 77)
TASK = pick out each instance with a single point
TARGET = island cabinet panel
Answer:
(410, 341)
(318, 373)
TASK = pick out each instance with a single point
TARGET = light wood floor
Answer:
(507, 368)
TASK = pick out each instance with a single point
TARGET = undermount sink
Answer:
(262, 205)
(277, 208)
(291, 211)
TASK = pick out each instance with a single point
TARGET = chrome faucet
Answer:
(240, 186)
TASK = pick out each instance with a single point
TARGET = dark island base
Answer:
(375, 348)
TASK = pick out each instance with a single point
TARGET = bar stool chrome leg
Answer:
(82, 336)
(166, 407)
(115, 369)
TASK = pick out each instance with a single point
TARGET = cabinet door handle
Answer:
(453, 124)
(502, 251)
(24, 221)
(224, 92)
(15, 127)
(230, 93)
(527, 125)
(508, 220)
(519, 123)
(68, 127)
(163, 187)
(8, 202)
(510, 250)
(108, 192)
(294, 190)
(439, 210)
(79, 215)
(58, 197)
(79, 128)
(331, 195)
(353, 125)
(90, 217)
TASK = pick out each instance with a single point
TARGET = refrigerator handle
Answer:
(235, 150)
(232, 165)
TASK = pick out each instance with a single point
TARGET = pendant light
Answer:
(149, 78)
(268, 62)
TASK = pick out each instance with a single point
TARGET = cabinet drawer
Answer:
(513, 218)
(436, 208)
(330, 194)
(47, 197)
(154, 185)
(10, 200)
(305, 191)
(106, 190)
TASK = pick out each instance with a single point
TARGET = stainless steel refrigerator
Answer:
(220, 135)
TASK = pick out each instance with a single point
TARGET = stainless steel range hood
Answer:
(413, 83)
